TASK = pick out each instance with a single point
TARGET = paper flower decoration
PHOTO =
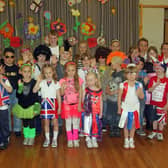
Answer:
(31, 31)
(2, 6)
(47, 15)
(113, 10)
(88, 28)
(59, 27)
(101, 41)
(11, 3)
(103, 1)
(6, 29)
(16, 42)
(76, 13)
(73, 2)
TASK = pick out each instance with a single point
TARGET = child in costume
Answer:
(93, 108)
(116, 76)
(26, 56)
(142, 77)
(53, 43)
(83, 48)
(12, 73)
(128, 105)
(71, 89)
(5, 89)
(158, 87)
(50, 94)
(101, 55)
(42, 55)
(152, 57)
(28, 106)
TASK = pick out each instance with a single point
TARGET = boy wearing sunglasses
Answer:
(11, 72)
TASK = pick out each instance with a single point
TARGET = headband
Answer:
(25, 49)
(70, 63)
(25, 65)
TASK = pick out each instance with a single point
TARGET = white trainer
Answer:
(152, 135)
(69, 144)
(76, 143)
(89, 143)
(94, 143)
(131, 144)
(126, 144)
(54, 143)
(159, 136)
(46, 143)
(25, 141)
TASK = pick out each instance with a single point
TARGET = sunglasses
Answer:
(9, 56)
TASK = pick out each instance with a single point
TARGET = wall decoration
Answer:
(113, 10)
(47, 16)
(16, 42)
(31, 30)
(11, 3)
(103, 1)
(36, 5)
(72, 41)
(101, 41)
(88, 28)
(92, 42)
(6, 30)
(76, 13)
(59, 27)
(73, 2)
(2, 5)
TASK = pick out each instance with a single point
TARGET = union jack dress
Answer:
(4, 95)
(49, 108)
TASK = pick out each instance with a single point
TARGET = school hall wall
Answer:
(153, 22)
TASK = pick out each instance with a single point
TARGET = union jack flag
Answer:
(48, 108)
(4, 96)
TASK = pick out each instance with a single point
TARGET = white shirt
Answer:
(55, 51)
(49, 91)
(131, 99)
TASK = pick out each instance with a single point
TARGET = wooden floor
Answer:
(110, 154)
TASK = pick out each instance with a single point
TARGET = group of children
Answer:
(110, 90)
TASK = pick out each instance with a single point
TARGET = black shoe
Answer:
(38, 133)
(117, 134)
(60, 130)
(112, 134)
(4, 146)
(18, 134)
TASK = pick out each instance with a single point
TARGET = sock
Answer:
(69, 135)
(131, 139)
(159, 131)
(32, 133)
(47, 135)
(154, 130)
(126, 139)
(55, 135)
(75, 134)
(25, 132)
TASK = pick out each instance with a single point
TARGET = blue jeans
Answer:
(4, 126)
(142, 108)
(17, 123)
(104, 120)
